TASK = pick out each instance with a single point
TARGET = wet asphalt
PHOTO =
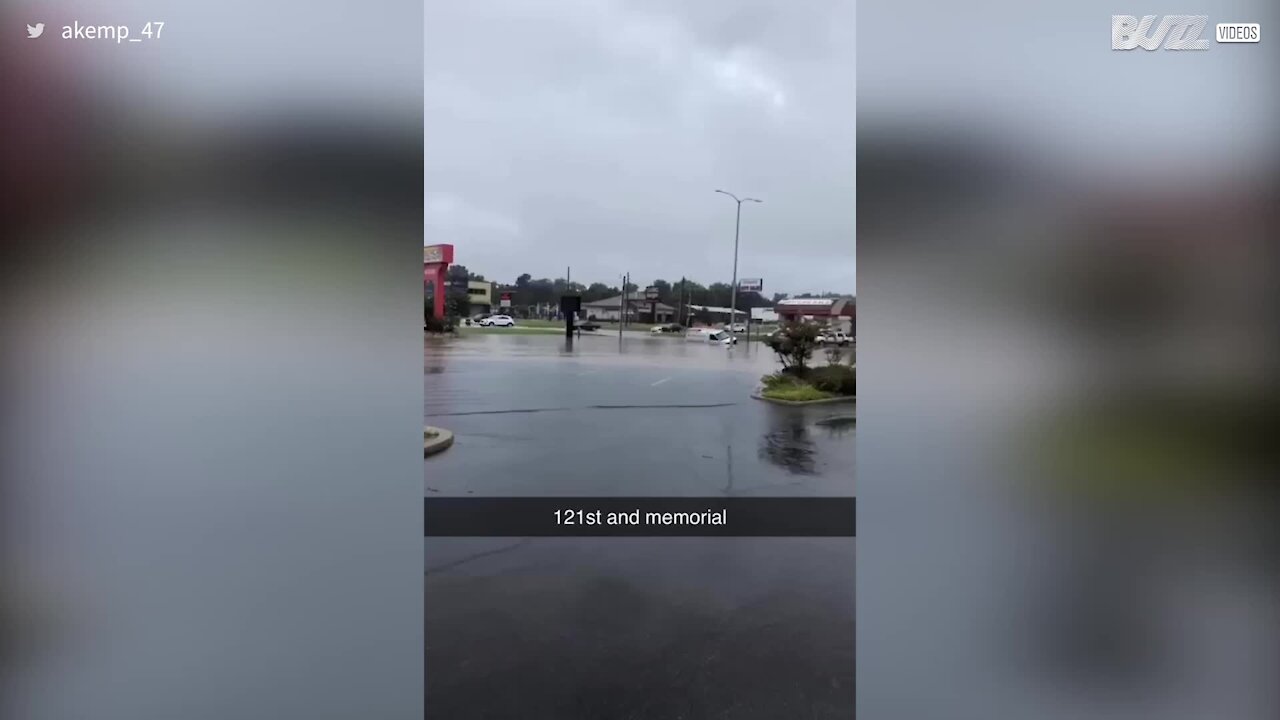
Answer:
(587, 628)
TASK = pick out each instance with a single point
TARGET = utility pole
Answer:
(680, 304)
(622, 303)
(737, 225)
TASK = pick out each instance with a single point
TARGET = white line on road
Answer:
(659, 382)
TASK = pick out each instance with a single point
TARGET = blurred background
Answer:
(211, 366)
(1068, 272)
(210, 362)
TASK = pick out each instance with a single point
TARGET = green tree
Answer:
(457, 302)
(458, 274)
(541, 292)
(598, 291)
(665, 293)
(719, 294)
(794, 344)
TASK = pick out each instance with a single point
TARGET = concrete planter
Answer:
(442, 440)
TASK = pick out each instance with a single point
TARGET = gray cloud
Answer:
(593, 134)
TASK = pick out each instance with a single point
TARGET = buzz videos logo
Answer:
(1175, 32)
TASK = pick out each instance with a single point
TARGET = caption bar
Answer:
(640, 517)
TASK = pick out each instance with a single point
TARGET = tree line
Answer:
(528, 291)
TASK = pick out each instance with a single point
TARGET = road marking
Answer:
(659, 382)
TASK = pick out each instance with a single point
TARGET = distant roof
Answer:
(828, 306)
(808, 301)
(713, 309)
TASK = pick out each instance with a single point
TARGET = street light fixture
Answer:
(733, 304)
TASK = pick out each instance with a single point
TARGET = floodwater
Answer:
(632, 627)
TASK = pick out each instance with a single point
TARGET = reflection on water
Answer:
(728, 457)
(788, 445)
(838, 426)
(634, 349)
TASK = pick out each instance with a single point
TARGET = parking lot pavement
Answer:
(632, 627)
(671, 418)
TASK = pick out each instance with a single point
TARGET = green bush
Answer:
(437, 325)
(838, 379)
(777, 380)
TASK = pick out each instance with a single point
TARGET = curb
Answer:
(441, 442)
(824, 401)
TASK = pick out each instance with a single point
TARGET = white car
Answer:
(738, 328)
(834, 337)
(722, 336)
(498, 321)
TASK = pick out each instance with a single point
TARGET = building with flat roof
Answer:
(841, 312)
(720, 314)
(638, 308)
(480, 296)
(764, 315)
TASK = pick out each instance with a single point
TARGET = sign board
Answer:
(651, 293)
(505, 300)
(751, 285)
(437, 254)
(570, 304)
(811, 302)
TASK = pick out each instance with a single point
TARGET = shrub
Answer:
(838, 379)
(777, 380)
(438, 325)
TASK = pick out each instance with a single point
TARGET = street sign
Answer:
(751, 285)
(505, 300)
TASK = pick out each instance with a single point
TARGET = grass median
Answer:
(797, 393)
(808, 384)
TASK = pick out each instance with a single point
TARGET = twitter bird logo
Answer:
(35, 31)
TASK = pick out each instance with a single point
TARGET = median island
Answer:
(800, 382)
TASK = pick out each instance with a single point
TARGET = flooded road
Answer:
(632, 627)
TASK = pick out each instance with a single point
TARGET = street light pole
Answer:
(733, 290)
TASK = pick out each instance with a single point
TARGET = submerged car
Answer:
(711, 335)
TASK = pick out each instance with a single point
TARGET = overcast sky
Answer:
(593, 133)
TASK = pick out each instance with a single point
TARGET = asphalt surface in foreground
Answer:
(568, 628)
